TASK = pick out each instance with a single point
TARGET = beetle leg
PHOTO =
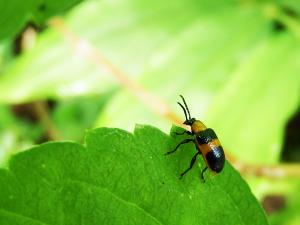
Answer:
(202, 173)
(181, 143)
(191, 165)
(184, 132)
(199, 151)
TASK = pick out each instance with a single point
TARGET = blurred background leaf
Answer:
(15, 15)
(73, 116)
(150, 36)
(15, 134)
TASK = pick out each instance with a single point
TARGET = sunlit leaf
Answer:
(120, 178)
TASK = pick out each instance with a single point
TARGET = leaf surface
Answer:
(121, 178)
(13, 15)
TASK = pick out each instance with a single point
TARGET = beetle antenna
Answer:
(183, 110)
(187, 109)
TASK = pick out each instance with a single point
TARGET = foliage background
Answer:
(118, 63)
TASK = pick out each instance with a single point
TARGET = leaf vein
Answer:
(119, 198)
(22, 216)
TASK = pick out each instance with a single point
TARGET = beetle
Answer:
(206, 143)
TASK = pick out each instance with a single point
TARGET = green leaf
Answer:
(197, 62)
(121, 178)
(251, 112)
(15, 134)
(14, 15)
(136, 37)
(289, 214)
(73, 116)
(284, 208)
(241, 90)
